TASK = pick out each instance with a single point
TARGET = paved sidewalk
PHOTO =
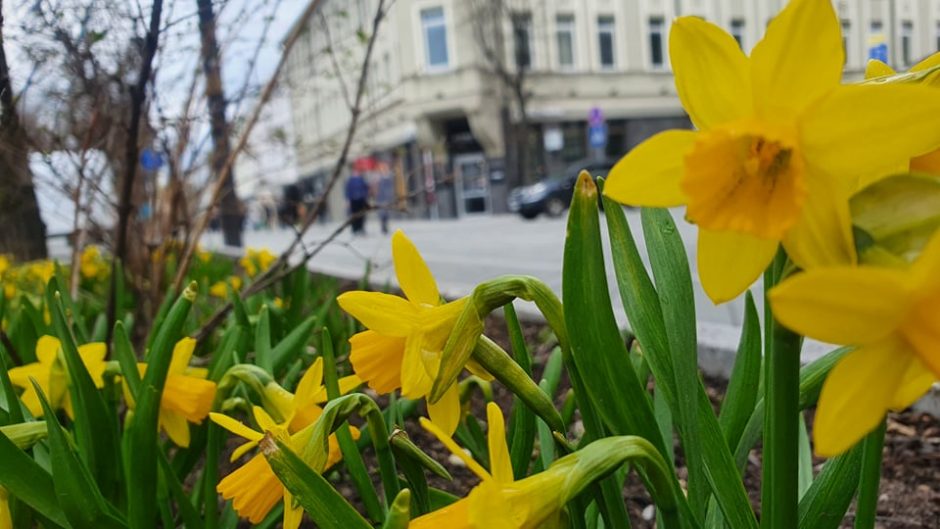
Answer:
(462, 253)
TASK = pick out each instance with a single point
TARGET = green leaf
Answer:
(641, 303)
(143, 431)
(805, 463)
(191, 518)
(744, 385)
(124, 352)
(28, 482)
(292, 344)
(825, 503)
(14, 411)
(351, 456)
(866, 508)
(521, 419)
(670, 266)
(96, 429)
(74, 486)
(263, 341)
(325, 506)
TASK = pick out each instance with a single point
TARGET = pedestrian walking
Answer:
(357, 193)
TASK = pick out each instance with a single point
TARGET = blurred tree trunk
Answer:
(230, 210)
(23, 233)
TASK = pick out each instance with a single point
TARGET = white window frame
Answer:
(612, 29)
(422, 41)
(571, 27)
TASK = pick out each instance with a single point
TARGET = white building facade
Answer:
(437, 114)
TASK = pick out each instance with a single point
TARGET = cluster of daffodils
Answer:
(780, 148)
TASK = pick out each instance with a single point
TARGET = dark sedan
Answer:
(552, 195)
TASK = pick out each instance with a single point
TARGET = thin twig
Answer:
(226, 170)
(138, 98)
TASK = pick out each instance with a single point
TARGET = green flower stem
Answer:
(352, 457)
(867, 505)
(780, 484)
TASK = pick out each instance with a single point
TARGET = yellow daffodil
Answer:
(253, 487)
(779, 147)
(891, 315)
(220, 288)
(256, 261)
(92, 264)
(202, 254)
(498, 502)
(302, 408)
(9, 290)
(6, 519)
(41, 271)
(4, 264)
(402, 347)
(187, 395)
(925, 163)
(52, 377)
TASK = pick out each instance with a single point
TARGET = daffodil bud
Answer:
(895, 217)
(399, 514)
(26, 434)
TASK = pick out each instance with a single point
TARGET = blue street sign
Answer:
(150, 160)
(597, 136)
(879, 52)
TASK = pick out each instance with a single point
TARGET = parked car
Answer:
(552, 195)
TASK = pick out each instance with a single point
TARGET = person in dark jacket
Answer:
(357, 193)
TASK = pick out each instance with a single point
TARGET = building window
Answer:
(657, 59)
(907, 42)
(522, 39)
(737, 31)
(564, 35)
(435, 37)
(605, 41)
(846, 29)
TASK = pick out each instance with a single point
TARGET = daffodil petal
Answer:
(927, 163)
(822, 236)
(500, 464)
(30, 399)
(414, 276)
(926, 64)
(856, 395)
(20, 376)
(310, 384)
(914, 383)
(925, 271)
(264, 420)
(799, 59)
(253, 488)
(922, 330)
(6, 519)
(47, 348)
(729, 262)
(870, 129)
(384, 313)
(236, 427)
(176, 428)
(842, 305)
(711, 72)
(182, 353)
(293, 515)
(490, 508)
(446, 412)
(377, 359)
(242, 449)
(649, 175)
(454, 448)
(876, 68)
(416, 382)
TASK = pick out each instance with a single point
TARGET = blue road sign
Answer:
(150, 160)
(597, 136)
